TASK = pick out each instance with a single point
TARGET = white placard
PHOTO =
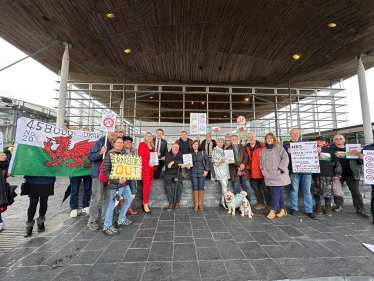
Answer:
(368, 166)
(187, 159)
(304, 157)
(108, 122)
(352, 151)
(229, 155)
(369, 246)
(1, 143)
(198, 123)
(153, 158)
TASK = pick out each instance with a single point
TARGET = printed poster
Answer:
(304, 157)
(198, 123)
(108, 122)
(353, 151)
(126, 167)
(368, 166)
(229, 155)
(153, 158)
(216, 130)
(187, 159)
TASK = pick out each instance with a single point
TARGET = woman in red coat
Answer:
(144, 150)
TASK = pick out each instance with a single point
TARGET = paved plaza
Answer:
(187, 245)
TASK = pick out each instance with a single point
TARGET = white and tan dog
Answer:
(234, 202)
(245, 208)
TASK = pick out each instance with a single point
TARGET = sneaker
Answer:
(293, 212)
(111, 231)
(338, 209)
(125, 223)
(86, 210)
(363, 213)
(259, 207)
(313, 216)
(74, 213)
(102, 221)
(93, 226)
(2, 226)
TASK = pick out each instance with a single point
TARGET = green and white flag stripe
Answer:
(45, 150)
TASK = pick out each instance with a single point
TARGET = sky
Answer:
(30, 81)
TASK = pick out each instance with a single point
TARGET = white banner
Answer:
(304, 157)
(108, 122)
(368, 166)
(198, 123)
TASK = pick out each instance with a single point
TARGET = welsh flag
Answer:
(45, 150)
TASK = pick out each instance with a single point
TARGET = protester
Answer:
(221, 168)
(184, 147)
(298, 178)
(100, 192)
(199, 170)
(130, 151)
(208, 145)
(256, 178)
(120, 132)
(227, 140)
(161, 147)
(274, 166)
(4, 164)
(239, 173)
(39, 189)
(322, 182)
(350, 175)
(118, 188)
(173, 164)
(370, 147)
(75, 183)
(144, 150)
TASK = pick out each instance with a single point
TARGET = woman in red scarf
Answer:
(144, 151)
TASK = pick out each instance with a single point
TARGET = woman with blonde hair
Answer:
(144, 150)
(274, 167)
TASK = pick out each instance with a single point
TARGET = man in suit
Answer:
(161, 147)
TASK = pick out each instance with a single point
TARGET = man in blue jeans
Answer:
(296, 179)
(75, 183)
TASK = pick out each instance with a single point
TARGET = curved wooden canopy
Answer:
(228, 42)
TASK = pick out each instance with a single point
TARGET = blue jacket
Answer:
(286, 146)
(369, 147)
(197, 170)
(40, 180)
(96, 158)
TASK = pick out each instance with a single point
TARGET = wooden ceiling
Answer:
(226, 42)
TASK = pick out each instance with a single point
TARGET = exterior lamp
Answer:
(296, 57)
(127, 51)
(110, 16)
(331, 24)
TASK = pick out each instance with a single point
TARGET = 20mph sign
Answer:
(369, 166)
(108, 122)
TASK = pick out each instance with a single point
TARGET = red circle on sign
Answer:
(368, 171)
(108, 121)
(369, 177)
(369, 165)
(369, 158)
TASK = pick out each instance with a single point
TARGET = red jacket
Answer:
(143, 152)
(254, 160)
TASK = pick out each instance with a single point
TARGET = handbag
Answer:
(202, 153)
(25, 187)
(337, 189)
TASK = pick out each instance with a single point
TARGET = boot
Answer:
(201, 198)
(318, 208)
(40, 222)
(195, 199)
(271, 215)
(130, 210)
(282, 213)
(29, 226)
(328, 209)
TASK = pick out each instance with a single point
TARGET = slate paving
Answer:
(195, 245)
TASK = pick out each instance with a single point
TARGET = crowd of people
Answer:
(265, 166)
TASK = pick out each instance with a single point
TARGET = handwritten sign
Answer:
(187, 159)
(352, 151)
(108, 122)
(229, 155)
(304, 157)
(368, 166)
(126, 167)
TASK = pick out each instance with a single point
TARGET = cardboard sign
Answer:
(304, 157)
(153, 159)
(126, 167)
(229, 155)
(368, 166)
(197, 123)
(353, 151)
(108, 122)
(187, 159)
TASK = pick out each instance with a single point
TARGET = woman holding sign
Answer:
(221, 168)
(144, 151)
(199, 170)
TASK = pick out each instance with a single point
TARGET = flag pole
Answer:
(106, 139)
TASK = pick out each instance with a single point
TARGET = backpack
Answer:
(102, 178)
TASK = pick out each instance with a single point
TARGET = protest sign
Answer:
(216, 130)
(197, 123)
(229, 155)
(108, 122)
(153, 158)
(304, 157)
(187, 159)
(1, 143)
(368, 166)
(45, 150)
(352, 151)
(126, 167)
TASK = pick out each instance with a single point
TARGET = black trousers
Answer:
(260, 189)
(353, 186)
(157, 173)
(170, 189)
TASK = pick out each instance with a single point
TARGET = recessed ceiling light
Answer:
(202, 102)
(331, 24)
(191, 102)
(127, 51)
(225, 116)
(296, 57)
(246, 99)
(151, 97)
(110, 16)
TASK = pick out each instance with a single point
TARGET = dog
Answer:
(233, 202)
(245, 208)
